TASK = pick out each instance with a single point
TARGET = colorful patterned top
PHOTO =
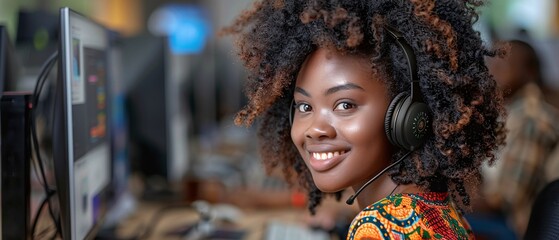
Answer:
(410, 216)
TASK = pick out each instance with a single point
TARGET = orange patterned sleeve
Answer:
(410, 216)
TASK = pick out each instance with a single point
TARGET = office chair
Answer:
(544, 219)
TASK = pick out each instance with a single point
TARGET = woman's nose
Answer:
(320, 128)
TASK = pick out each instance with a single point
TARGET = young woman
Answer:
(346, 90)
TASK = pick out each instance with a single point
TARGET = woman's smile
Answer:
(324, 157)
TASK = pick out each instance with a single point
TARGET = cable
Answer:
(36, 220)
(43, 76)
(35, 143)
(45, 70)
(36, 94)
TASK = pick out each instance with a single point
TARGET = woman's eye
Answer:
(344, 106)
(303, 107)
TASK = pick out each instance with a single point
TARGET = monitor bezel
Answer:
(63, 135)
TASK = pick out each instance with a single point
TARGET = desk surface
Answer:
(253, 221)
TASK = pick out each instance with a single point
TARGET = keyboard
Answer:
(277, 230)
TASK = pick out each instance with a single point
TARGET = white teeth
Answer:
(327, 155)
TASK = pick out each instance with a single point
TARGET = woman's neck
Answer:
(381, 188)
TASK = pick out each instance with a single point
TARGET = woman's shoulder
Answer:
(410, 216)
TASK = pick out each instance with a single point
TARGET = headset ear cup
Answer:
(401, 122)
(416, 125)
(389, 117)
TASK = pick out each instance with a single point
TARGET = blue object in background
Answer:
(186, 26)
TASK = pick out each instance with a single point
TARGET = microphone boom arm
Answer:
(352, 197)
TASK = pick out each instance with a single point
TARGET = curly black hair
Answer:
(274, 38)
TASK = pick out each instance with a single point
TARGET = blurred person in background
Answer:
(511, 186)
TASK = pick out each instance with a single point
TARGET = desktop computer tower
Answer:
(15, 166)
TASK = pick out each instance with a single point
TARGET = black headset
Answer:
(407, 120)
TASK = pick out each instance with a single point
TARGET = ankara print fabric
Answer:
(410, 216)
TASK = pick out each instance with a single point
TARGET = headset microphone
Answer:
(352, 197)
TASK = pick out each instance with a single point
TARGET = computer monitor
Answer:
(7, 65)
(157, 110)
(123, 201)
(82, 160)
(36, 40)
(118, 120)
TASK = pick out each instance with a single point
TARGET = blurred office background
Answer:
(180, 85)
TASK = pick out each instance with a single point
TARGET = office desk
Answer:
(253, 221)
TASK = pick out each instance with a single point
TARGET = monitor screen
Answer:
(81, 138)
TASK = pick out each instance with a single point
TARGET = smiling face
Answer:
(338, 122)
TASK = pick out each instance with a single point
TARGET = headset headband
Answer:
(410, 56)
